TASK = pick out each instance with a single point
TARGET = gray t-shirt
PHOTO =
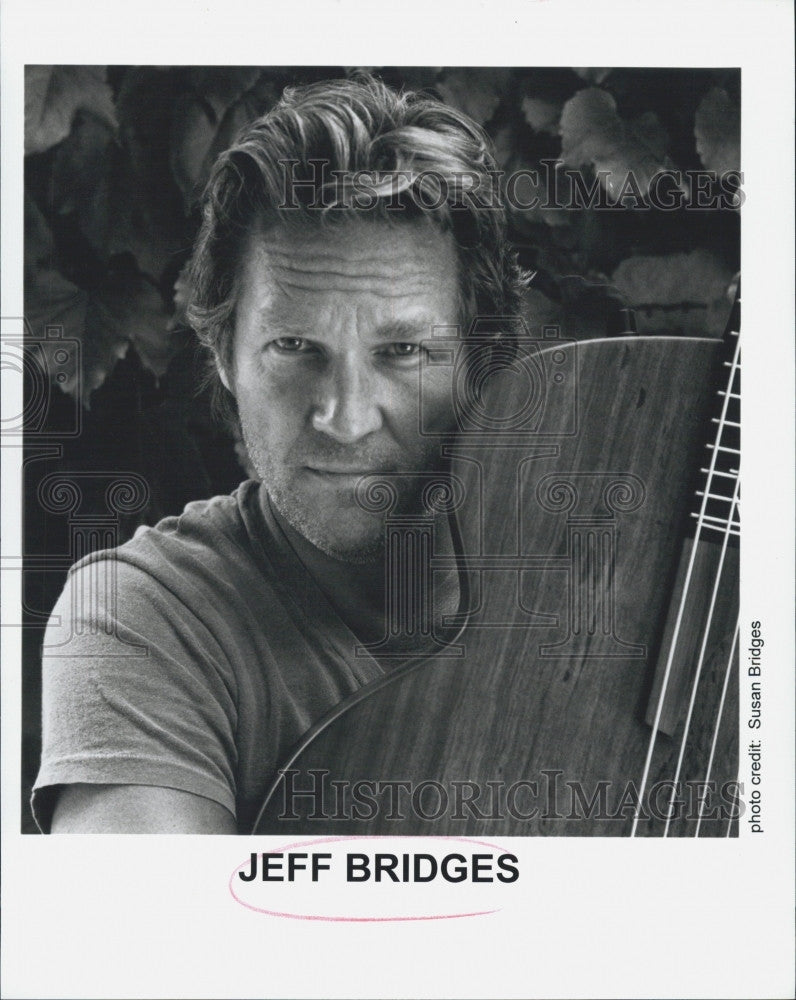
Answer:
(193, 657)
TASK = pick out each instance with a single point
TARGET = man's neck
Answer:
(357, 591)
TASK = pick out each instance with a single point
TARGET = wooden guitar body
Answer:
(538, 716)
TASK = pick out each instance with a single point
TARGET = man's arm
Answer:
(84, 808)
(133, 744)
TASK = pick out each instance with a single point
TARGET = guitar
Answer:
(588, 683)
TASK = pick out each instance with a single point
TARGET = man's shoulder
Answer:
(209, 537)
(206, 522)
(212, 564)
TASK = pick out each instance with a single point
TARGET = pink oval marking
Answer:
(356, 920)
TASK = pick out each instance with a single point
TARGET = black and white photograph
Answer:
(499, 546)
(376, 432)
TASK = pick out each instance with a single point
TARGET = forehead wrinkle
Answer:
(319, 249)
(292, 321)
(381, 287)
(280, 270)
(395, 285)
(319, 260)
(329, 271)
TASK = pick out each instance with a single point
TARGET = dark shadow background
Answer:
(116, 158)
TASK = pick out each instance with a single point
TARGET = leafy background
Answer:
(116, 157)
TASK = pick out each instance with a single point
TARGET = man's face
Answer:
(326, 369)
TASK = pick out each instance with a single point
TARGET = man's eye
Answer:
(290, 345)
(404, 349)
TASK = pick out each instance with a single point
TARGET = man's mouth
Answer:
(345, 472)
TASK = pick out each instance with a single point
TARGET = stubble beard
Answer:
(300, 510)
(289, 504)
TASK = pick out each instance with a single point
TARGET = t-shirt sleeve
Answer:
(135, 690)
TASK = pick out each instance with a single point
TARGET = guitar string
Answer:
(730, 659)
(725, 686)
(678, 622)
(701, 659)
(727, 673)
(728, 530)
(729, 525)
(680, 612)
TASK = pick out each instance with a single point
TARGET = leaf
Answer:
(192, 137)
(144, 222)
(220, 86)
(538, 310)
(149, 326)
(542, 115)
(590, 127)
(125, 308)
(593, 133)
(681, 293)
(182, 296)
(476, 92)
(206, 124)
(418, 77)
(104, 343)
(130, 308)
(504, 143)
(52, 96)
(649, 129)
(592, 74)
(38, 240)
(80, 177)
(524, 185)
(197, 116)
(717, 127)
(530, 201)
(589, 306)
(51, 300)
(145, 210)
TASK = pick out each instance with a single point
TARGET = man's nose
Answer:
(347, 408)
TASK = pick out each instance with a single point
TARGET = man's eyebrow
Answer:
(285, 322)
(405, 329)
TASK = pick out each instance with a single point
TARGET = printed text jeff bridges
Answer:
(293, 866)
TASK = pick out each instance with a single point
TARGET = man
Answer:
(339, 232)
